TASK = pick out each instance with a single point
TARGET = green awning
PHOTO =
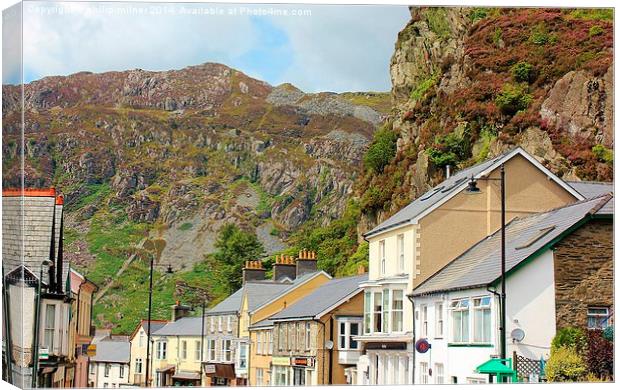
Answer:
(494, 367)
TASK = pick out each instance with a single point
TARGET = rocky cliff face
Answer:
(468, 83)
(189, 150)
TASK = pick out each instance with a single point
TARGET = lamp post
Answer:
(154, 249)
(169, 270)
(473, 189)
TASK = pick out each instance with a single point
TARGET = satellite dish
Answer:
(517, 334)
(329, 344)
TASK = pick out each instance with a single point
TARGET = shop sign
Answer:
(281, 360)
(44, 354)
(302, 361)
(92, 350)
(209, 368)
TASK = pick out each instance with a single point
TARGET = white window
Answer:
(106, 370)
(382, 255)
(367, 312)
(141, 339)
(424, 321)
(439, 375)
(397, 310)
(482, 320)
(197, 351)
(598, 317)
(229, 323)
(308, 336)
(299, 337)
(243, 355)
(219, 323)
(212, 323)
(50, 326)
(438, 320)
(161, 350)
(386, 310)
(347, 330)
(211, 346)
(460, 321)
(105, 385)
(259, 342)
(138, 366)
(227, 352)
(121, 371)
(184, 349)
(281, 337)
(401, 252)
(377, 311)
(259, 377)
(270, 341)
(423, 373)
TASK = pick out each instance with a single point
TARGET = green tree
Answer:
(233, 247)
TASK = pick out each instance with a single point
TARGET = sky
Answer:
(315, 47)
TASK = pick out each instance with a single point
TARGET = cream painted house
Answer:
(420, 239)
(176, 353)
(137, 340)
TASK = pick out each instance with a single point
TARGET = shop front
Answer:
(293, 371)
(220, 374)
(186, 378)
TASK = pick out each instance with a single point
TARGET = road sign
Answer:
(422, 345)
(92, 350)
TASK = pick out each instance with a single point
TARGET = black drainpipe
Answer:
(410, 296)
(331, 351)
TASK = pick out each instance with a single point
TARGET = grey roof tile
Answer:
(321, 299)
(592, 189)
(112, 350)
(232, 304)
(480, 264)
(186, 326)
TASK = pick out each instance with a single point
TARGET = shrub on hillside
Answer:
(449, 149)
(565, 365)
(603, 154)
(595, 30)
(381, 151)
(513, 99)
(522, 72)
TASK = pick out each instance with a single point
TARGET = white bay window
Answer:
(383, 311)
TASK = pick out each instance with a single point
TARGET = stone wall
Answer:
(583, 270)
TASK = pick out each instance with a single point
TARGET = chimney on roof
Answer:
(253, 270)
(284, 267)
(306, 262)
(179, 311)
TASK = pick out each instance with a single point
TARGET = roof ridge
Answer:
(589, 182)
(605, 198)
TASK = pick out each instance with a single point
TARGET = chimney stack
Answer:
(306, 262)
(179, 311)
(284, 267)
(253, 270)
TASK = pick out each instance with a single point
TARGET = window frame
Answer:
(393, 311)
(439, 321)
(308, 336)
(424, 320)
(183, 349)
(600, 318)
(347, 337)
(382, 257)
(106, 370)
(481, 308)
(464, 310)
(50, 331)
(400, 243)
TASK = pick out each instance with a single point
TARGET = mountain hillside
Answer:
(178, 155)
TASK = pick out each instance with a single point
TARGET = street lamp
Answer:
(169, 271)
(472, 188)
(155, 249)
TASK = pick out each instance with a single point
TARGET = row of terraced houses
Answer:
(425, 311)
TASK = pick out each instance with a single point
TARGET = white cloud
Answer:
(337, 48)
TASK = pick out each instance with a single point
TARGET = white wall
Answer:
(530, 305)
(113, 380)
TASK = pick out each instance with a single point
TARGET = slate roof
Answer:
(480, 264)
(448, 188)
(113, 351)
(592, 189)
(186, 326)
(260, 293)
(28, 217)
(261, 324)
(321, 299)
(232, 304)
